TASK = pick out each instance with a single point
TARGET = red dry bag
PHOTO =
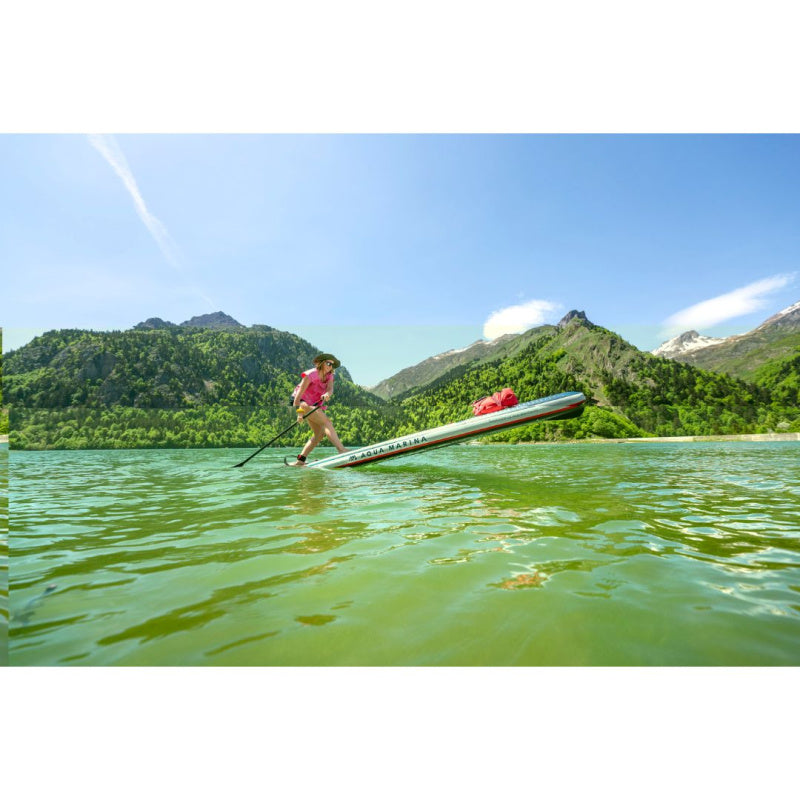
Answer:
(499, 400)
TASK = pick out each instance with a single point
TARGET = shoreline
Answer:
(736, 437)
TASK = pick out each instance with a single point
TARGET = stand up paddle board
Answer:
(556, 406)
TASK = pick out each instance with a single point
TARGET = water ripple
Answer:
(641, 554)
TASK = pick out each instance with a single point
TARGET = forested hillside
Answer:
(781, 378)
(165, 385)
(3, 409)
(168, 387)
(635, 393)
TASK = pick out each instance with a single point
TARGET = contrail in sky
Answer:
(108, 148)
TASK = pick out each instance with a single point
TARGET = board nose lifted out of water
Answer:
(556, 406)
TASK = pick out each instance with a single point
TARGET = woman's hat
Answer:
(328, 357)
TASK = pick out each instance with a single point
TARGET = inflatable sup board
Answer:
(556, 406)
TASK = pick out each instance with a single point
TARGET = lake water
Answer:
(585, 554)
(3, 554)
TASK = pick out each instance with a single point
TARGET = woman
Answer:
(316, 388)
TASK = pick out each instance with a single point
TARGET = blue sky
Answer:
(387, 249)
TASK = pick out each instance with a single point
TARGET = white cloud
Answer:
(517, 319)
(727, 306)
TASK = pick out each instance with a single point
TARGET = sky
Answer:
(388, 249)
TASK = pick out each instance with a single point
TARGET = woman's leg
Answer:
(321, 426)
(330, 431)
(317, 435)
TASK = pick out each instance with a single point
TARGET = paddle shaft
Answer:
(277, 437)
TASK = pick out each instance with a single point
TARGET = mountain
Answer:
(435, 366)
(170, 386)
(479, 352)
(741, 356)
(685, 343)
(218, 321)
(633, 392)
(788, 319)
(154, 324)
(571, 315)
(189, 386)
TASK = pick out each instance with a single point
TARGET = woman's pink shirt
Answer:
(316, 387)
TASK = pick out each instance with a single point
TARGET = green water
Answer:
(3, 554)
(618, 554)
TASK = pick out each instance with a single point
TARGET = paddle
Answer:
(277, 437)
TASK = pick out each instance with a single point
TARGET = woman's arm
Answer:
(301, 390)
(329, 392)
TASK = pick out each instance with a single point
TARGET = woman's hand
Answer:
(326, 397)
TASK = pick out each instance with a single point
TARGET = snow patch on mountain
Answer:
(478, 345)
(791, 311)
(453, 352)
(685, 343)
